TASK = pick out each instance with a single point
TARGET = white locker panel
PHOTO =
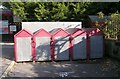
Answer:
(24, 49)
(96, 46)
(79, 47)
(61, 48)
(43, 48)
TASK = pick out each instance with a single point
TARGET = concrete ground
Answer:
(6, 56)
(95, 68)
(105, 67)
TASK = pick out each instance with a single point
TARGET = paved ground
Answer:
(6, 56)
(96, 68)
(106, 68)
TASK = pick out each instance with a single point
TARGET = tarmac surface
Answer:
(106, 67)
(6, 56)
(95, 68)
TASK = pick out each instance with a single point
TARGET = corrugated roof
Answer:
(27, 31)
(40, 31)
(55, 30)
(72, 30)
(96, 18)
(88, 30)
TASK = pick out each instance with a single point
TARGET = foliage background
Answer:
(69, 11)
(57, 11)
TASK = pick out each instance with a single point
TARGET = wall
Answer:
(34, 26)
(112, 48)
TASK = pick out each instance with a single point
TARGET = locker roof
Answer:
(59, 31)
(93, 31)
(88, 30)
(73, 30)
(42, 32)
(54, 30)
(76, 32)
(23, 33)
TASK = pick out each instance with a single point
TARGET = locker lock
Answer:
(33, 44)
(51, 42)
(71, 38)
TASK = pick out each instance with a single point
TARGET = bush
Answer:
(111, 28)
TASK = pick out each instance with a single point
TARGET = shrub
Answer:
(111, 28)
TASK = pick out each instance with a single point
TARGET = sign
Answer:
(12, 28)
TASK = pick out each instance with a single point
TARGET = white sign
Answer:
(12, 28)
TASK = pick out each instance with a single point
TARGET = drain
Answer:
(64, 74)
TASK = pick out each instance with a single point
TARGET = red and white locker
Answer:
(23, 46)
(60, 45)
(42, 48)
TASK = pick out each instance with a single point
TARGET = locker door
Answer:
(79, 47)
(43, 48)
(24, 49)
(62, 48)
(96, 46)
